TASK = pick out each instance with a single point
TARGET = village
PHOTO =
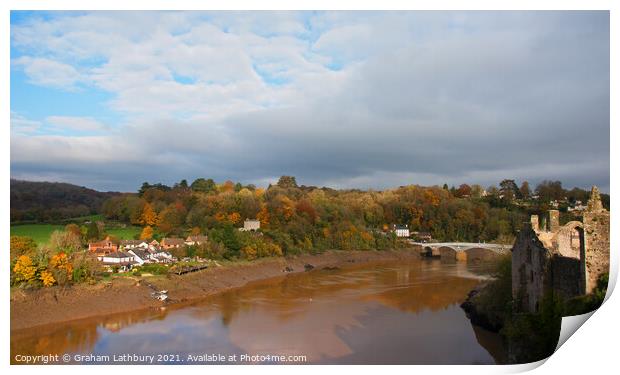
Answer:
(123, 256)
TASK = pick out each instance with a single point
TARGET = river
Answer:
(380, 313)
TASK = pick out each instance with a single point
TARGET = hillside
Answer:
(53, 201)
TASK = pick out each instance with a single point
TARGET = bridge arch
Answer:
(479, 254)
(447, 253)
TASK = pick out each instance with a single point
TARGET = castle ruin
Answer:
(564, 260)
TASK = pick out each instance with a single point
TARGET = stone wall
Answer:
(530, 261)
(566, 261)
(596, 237)
(565, 276)
(554, 220)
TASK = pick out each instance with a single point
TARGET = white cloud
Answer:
(420, 95)
(46, 72)
(82, 124)
(23, 125)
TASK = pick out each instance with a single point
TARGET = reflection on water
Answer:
(379, 313)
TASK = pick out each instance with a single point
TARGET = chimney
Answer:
(554, 220)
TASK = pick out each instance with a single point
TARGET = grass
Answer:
(127, 233)
(41, 233)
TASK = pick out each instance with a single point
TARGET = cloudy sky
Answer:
(343, 99)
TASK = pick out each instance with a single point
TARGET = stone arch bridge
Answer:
(462, 251)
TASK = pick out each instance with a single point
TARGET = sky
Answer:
(376, 100)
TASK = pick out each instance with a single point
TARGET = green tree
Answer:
(525, 190)
(92, 231)
(509, 189)
(287, 182)
(202, 185)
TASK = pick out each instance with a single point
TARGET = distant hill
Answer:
(53, 201)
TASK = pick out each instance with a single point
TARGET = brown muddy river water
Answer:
(382, 313)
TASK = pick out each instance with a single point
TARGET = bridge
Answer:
(462, 251)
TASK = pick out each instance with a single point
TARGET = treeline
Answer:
(52, 202)
(306, 218)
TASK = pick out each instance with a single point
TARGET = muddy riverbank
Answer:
(124, 294)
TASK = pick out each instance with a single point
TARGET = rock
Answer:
(474, 314)
(287, 269)
(308, 267)
(331, 268)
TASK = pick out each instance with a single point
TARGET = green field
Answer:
(124, 233)
(38, 232)
(42, 232)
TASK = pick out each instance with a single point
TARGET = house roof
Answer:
(131, 242)
(142, 254)
(400, 226)
(197, 238)
(101, 243)
(104, 250)
(173, 241)
(118, 254)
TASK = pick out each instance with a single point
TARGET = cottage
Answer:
(103, 247)
(196, 240)
(159, 255)
(140, 255)
(401, 230)
(563, 260)
(120, 259)
(422, 236)
(169, 243)
(250, 225)
(132, 244)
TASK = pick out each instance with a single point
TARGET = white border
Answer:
(591, 349)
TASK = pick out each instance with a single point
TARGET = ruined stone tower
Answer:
(564, 260)
(596, 237)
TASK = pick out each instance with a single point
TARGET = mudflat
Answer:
(31, 308)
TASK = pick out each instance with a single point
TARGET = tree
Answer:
(65, 241)
(525, 190)
(92, 231)
(550, 190)
(149, 216)
(287, 182)
(509, 189)
(147, 233)
(202, 185)
(73, 228)
(61, 268)
(24, 270)
(22, 245)
(476, 191)
(463, 191)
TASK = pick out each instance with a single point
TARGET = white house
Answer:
(250, 225)
(196, 240)
(132, 244)
(124, 261)
(401, 230)
(140, 255)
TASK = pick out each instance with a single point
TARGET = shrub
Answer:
(85, 268)
(47, 278)
(61, 268)
(24, 270)
(153, 268)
